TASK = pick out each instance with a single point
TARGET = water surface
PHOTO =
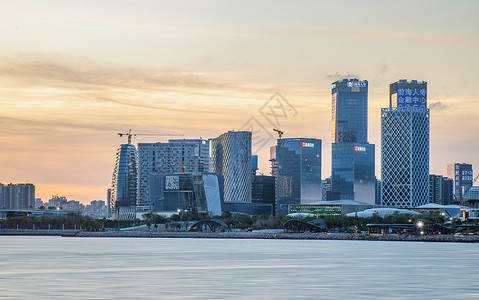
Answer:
(161, 268)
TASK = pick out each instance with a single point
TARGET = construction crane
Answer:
(280, 133)
(129, 134)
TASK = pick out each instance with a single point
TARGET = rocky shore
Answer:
(283, 235)
(248, 235)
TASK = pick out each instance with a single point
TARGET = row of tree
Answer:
(233, 221)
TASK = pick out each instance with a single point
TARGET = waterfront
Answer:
(141, 268)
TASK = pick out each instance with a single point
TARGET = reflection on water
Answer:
(136, 268)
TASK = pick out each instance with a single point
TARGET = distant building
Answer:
(378, 192)
(17, 196)
(38, 203)
(108, 201)
(274, 162)
(97, 208)
(58, 201)
(326, 190)
(176, 156)
(405, 146)
(125, 181)
(441, 190)
(353, 158)
(298, 179)
(472, 193)
(462, 175)
(263, 190)
(231, 158)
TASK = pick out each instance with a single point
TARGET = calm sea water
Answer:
(122, 268)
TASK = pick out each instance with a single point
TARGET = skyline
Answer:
(73, 75)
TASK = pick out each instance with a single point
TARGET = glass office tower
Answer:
(231, 158)
(298, 178)
(349, 111)
(353, 177)
(125, 178)
(405, 146)
(353, 158)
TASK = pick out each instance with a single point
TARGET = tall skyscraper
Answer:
(176, 156)
(353, 158)
(463, 178)
(125, 178)
(231, 158)
(298, 167)
(405, 145)
(349, 111)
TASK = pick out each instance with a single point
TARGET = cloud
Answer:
(339, 76)
(41, 70)
(438, 106)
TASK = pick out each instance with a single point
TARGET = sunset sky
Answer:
(75, 73)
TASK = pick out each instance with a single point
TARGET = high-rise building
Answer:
(353, 158)
(298, 179)
(349, 111)
(17, 196)
(231, 158)
(125, 179)
(440, 190)
(462, 175)
(405, 146)
(176, 156)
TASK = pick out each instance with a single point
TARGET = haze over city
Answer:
(74, 74)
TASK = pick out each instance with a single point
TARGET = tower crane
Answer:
(130, 134)
(280, 133)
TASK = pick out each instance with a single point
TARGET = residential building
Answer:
(17, 196)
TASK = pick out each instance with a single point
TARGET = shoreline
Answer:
(247, 235)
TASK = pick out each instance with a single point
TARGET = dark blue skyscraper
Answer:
(350, 111)
(298, 178)
(353, 161)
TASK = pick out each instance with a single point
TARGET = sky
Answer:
(73, 74)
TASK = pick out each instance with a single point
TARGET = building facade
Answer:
(353, 158)
(263, 190)
(462, 175)
(441, 190)
(405, 146)
(124, 185)
(176, 156)
(194, 192)
(231, 158)
(298, 179)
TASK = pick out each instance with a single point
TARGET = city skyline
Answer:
(73, 75)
